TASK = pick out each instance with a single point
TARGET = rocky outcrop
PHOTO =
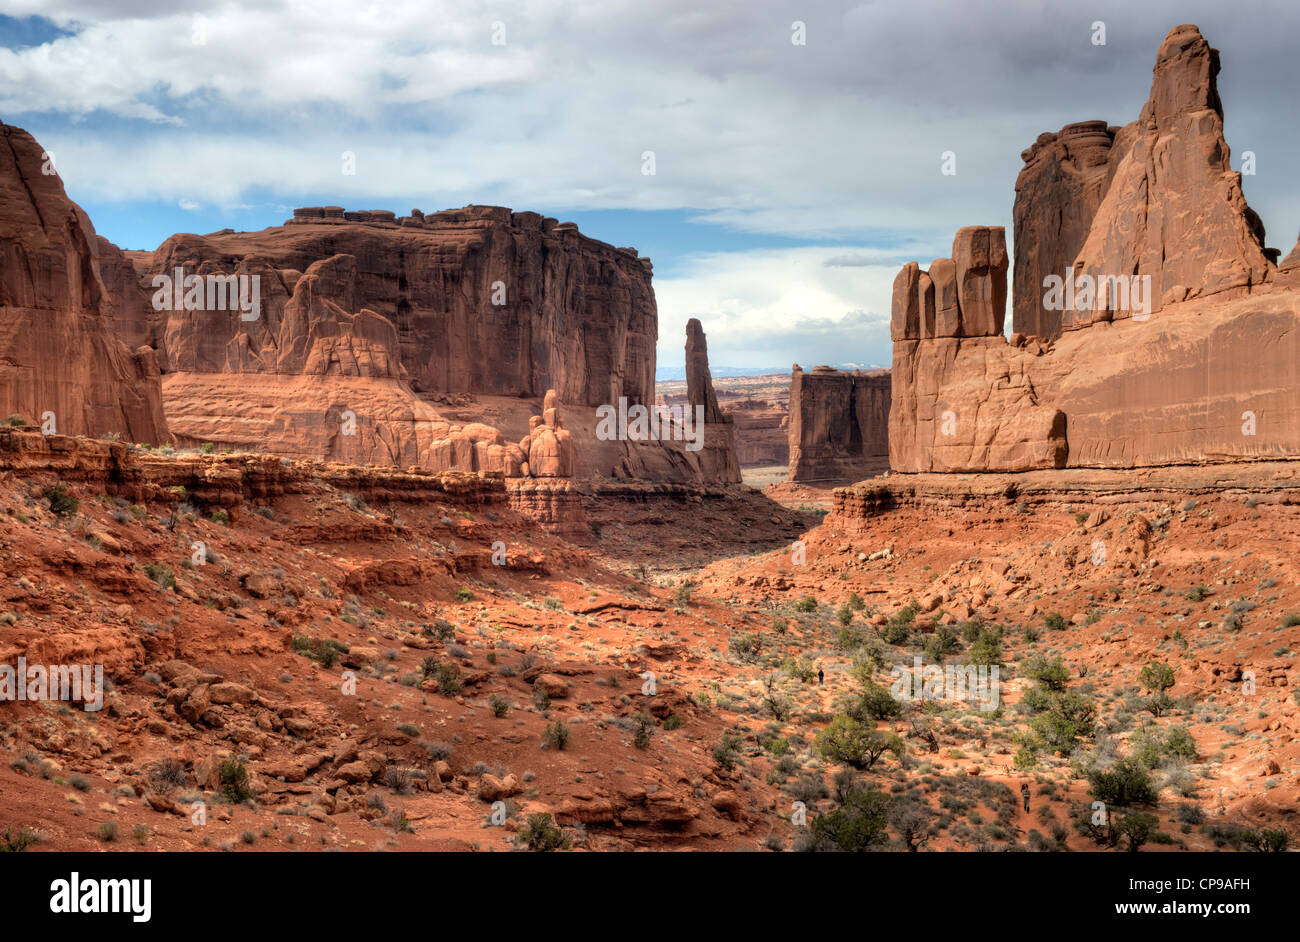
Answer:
(1174, 209)
(839, 422)
(482, 299)
(960, 401)
(1057, 195)
(60, 360)
(548, 446)
(718, 462)
(1203, 372)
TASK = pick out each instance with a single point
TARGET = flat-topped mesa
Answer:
(1057, 195)
(483, 300)
(62, 365)
(839, 424)
(1172, 223)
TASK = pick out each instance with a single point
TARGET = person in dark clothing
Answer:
(820, 676)
(1024, 793)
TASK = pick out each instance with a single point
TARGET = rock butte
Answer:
(368, 324)
(839, 424)
(1210, 376)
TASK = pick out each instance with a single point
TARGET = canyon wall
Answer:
(482, 300)
(839, 424)
(61, 361)
(1199, 367)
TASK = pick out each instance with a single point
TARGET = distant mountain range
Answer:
(669, 374)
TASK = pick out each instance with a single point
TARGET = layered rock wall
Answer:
(62, 365)
(839, 424)
(1195, 362)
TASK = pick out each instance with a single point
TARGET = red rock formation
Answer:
(718, 463)
(1057, 195)
(483, 300)
(548, 444)
(59, 354)
(1210, 375)
(839, 421)
(1174, 210)
(761, 431)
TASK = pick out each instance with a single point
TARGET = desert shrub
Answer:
(943, 642)
(1127, 782)
(856, 744)
(540, 833)
(17, 841)
(1067, 717)
(233, 777)
(876, 703)
(556, 735)
(724, 753)
(986, 651)
(449, 681)
(167, 775)
(500, 706)
(1138, 827)
(641, 734)
(898, 626)
(807, 604)
(161, 574)
(61, 503)
(1053, 675)
(324, 651)
(747, 647)
(1055, 621)
(858, 825)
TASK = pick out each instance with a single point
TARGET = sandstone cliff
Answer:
(1204, 372)
(1157, 198)
(839, 424)
(482, 300)
(59, 355)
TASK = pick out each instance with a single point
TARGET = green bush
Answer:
(1055, 621)
(943, 642)
(876, 703)
(541, 834)
(806, 604)
(856, 826)
(234, 782)
(61, 503)
(15, 842)
(556, 735)
(1053, 675)
(856, 744)
(1127, 782)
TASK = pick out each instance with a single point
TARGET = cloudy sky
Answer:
(791, 181)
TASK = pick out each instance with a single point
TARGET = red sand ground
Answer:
(206, 671)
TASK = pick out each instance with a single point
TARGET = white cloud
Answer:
(768, 307)
(832, 138)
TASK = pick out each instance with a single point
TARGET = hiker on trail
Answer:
(1024, 793)
(820, 676)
